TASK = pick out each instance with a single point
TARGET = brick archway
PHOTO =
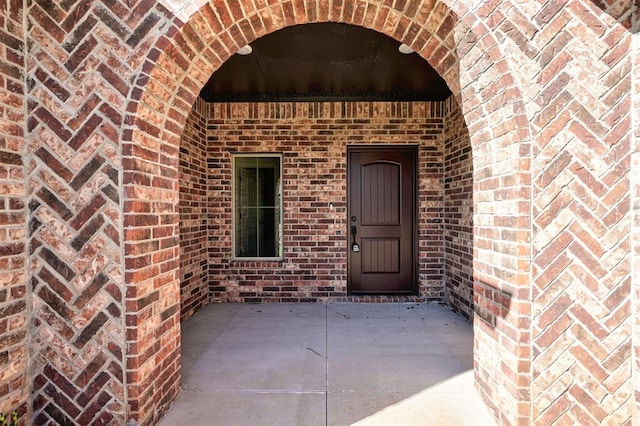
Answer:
(180, 65)
(96, 95)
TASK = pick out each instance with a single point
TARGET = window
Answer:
(257, 202)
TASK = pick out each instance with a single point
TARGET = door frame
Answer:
(414, 149)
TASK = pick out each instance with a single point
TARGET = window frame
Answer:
(234, 206)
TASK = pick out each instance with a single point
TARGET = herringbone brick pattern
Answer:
(580, 112)
(574, 78)
(81, 59)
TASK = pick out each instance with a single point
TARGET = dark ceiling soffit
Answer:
(325, 62)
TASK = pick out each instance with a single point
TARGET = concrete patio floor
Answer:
(327, 364)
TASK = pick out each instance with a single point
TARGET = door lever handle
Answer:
(354, 246)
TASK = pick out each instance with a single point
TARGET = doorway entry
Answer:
(382, 219)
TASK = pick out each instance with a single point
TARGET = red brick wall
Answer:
(308, 143)
(545, 91)
(14, 386)
(315, 178)
(458, 211)
(193, 209)
(313, 139)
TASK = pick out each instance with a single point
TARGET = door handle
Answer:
(354, 246)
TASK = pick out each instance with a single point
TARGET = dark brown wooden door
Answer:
(381, 220)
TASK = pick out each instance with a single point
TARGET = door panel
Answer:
(380, 255)
(382, 215)
(380, 194)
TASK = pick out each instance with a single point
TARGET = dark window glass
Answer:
(257, 219)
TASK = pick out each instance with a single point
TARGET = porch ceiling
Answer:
(328, 61)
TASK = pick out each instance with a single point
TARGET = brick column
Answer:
(82, 60)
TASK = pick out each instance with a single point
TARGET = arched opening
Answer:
(353, 107)
(258, 362)
(152, 179)
(97, 97)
